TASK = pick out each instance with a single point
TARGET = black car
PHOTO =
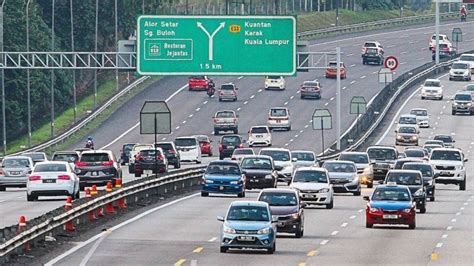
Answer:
(383, 159)
(400, 162)
(125, 153)
(171, 153)
(286, 205)
(372, 55)
(228, 144)
(97, 167)
(259, 171)
(414, 181)
(428, 175)
(150, 159)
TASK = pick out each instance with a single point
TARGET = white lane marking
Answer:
(349, 55)
(324, 242)
(361, 210)
(404, 52)
(310, 121)
(286, 144)
(2, 201)
(246, 102)
(238, 109)
(439, 245)
(19, 197)
(453, 220)
(352, 82)
(241, 77)
(462, 208)
(375, 72)
(138, 123)
(198, 109)
(332, 99)
(344, 224)
(98, 236)
(301, 131)
(444, 106)
(352, 217)
(163, 139)
(184, 122)
(260, 90)
(403, 63)
(465, 203)
(296, 136)
(92, 250)
(286, 103)
(353, 65)
(449, 228)
(205, 102)
(306, 126)
(177, 127)
(191, 115)
(334, 233)
(291, 140)
(212, 239)
(293, 96)
(458, 213)
(251, 97)
(326, 104)
(363, 77)
(444, 236)
(390, 46)
(344, 87)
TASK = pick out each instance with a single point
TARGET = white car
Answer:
(189, 149)
(372, 44)
(468, 59)
(313, 186)
(460, 71)
(241, 153)
(52, 179)
(407, 120)
(282, 158)
(260, 135)
(422, 116)
(442, 38)
(279, 117)
(433, 89)
(448, 164)
(304, 159)
(275, 82)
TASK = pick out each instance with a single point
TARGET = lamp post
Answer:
(28, 72)
(73, 71)
(52, 70)
(96, 37)
(4, 120)
(116, 44)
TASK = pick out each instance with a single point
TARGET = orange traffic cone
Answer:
(118, 183)
(110, 206)
(108, 188)
(94, 190)
(69, 226)
(121, 203)
(91, 214)
(21, 228)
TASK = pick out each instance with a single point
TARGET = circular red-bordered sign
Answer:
(391, 62)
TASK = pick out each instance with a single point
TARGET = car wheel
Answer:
(289, 128)
(357, 193)
(138, 174)
(462, 185)
(223, 249)
(432, 198)
(412, 226)
(272, 249)
(2, 188)
(330, 205)
(423, 209)
(370, 185)
(78, 195)
(204, 194)
(301, 97)
(241, 194)
(441, 98)
(216, 132)
(177, 165)
(236, 131)
(220, 99)
(453, 112)
(31, 197)
(210, 154)
(368, 225)
(299, 232)
(422, 97)
(122, 163)
(131, 168)
(364, 62)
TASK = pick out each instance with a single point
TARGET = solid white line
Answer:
(439, 245)
(334, 233)
(92, 251)
(94, 238)
(344, 224)
(324, 242)
(212, 239)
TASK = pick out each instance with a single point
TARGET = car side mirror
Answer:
(380, 182)
(29, 171)
(278, 167)
(304, 205)
(454, 141)
(395, 131)
(366, 198)
(220, 218)
(466, 159)
(294, 159)
(274, 219)
(436, 175)
(289, 182)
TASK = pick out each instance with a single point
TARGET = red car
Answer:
(205, 143)
(331, 70)
(198, 83)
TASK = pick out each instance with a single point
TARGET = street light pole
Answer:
(52, 70)
(4, 120)
(73, 71)
(116, 44)
(28, 72)
(338, 99)
(437, 32)
(96, 37)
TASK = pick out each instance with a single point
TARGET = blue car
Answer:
(223, 177)
(248, 224)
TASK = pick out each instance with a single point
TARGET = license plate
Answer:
(254, 180)
(15, 173)
(221, 188)
(246, 238)
(280, 224)
(259, 136)
(444, 173)
(390, 216)
(230, 147)
(379, 171)
(49, 180)
(95, 173)
(278, 121)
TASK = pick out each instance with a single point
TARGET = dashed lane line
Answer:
(198, 250)
(352, 217)
(180, 262)
(363, 77)
(334, 233)
(212, 239)
(449, 228)
(324, 242)
(344, 224)
(352, 82)
(439, 245)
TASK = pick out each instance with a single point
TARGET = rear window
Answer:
(278, 112)
(141, 147)
(227, 87)
(466, 58)
(149, 152)
(310, 176)
(65, 157)
(50, 168)
(372, 50)
(370, 44)
(259, 130)
(407, 120)
(382, 154)
(185, 142)
(425, 169)
(15, 162)
(470, 87)
(257, 163)
(303, 156)
(225, 114)
(231, 140)
(310, 84)
(462, 97)
(277, 155)
(165, 146)
(356, 158)
(431, 83)
(95, 157)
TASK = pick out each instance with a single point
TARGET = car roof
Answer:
(338, 161)
(408, 115)
(446, 149)
(280, 190)
(442, 135)
(419, 109)
(258, 157)
(164, 142)
(224, 162)
(97, 151)
(259, 126)
(278, 107)
(432, 80)
(51, 162)
(355, 152)
(65, 152)
(404, 171)
(463, 93)
(222, 111)
(417, 163)
(16, 157)
(186, 137)
(391, 186)
(249, 203)
(275, 149)
(34, 152)
(302, 151)
(311, 168)
(231, 135)
(409, 159)
(381, 147)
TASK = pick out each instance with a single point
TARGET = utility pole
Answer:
(52, 70)
(437, 32)
(2, 73)
(96, 40)
(28, 72)
(116, 45)
(338, 99)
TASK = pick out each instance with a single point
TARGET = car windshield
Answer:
(391, 194)
(310, 176)
(445, 155)
(466, 58)
(459, 66)
(303, 156)
(149, 152)
(470, 87)
(278, 112)
(432, 83)
(66, 157)
(165, 146)
(407, 130)
(356, 158)
(370, 44)
(404, 178)
(256, 163)
(141, 147)
(425, 169)
(202, 138)
(444, 138)
(127, 147)
(419, 112)
(50, 168)
(225, 115)
(415, 153)
(243, 152)
(231, 140)
(372, 50)
(334, 64)
(277, 155)
(35, 156)
(382, 154)
(259, 130)
(227, 87)
(94, 157)
(197, 77)
(248, 213)
(185, 142)
(310, 84)
(340, 167)
(462, 97)
(223, 169)
(12, 163)
(279, 198)
(407, 120)
(274, 77)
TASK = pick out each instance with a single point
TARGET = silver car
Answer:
(304, 159)
(343, 176)
(52, 179)
(36, 156)
(15, 171)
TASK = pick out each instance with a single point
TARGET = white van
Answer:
(260, 135)
(189, 149)
(279, 117)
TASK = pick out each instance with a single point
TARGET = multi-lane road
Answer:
(186, 232)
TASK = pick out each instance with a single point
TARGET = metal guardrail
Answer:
(53, 222)
(84, 121)
(375, 24)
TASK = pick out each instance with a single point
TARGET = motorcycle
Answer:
(211, 90)
(90, 144)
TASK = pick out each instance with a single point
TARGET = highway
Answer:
(186, 232)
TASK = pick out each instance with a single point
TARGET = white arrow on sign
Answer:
(211, 37)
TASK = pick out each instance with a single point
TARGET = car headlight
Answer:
(406, 210)
(466, 72)
(414, 137)
(207, 181)
(268, 177)
(459, 167)
(418, 193)
(264, 231)
(455, 103)
(373, 209)
(399, 137)
(228, 230)
(323, 190)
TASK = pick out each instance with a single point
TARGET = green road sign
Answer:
(216, 45)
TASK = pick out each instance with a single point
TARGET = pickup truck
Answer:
(226, 120)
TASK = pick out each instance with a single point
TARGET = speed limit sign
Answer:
(391, 62)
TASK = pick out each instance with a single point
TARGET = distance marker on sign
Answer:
(391, 62)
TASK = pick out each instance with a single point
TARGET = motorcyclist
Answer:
(463, 12)
(90, 143)
(211, 88)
